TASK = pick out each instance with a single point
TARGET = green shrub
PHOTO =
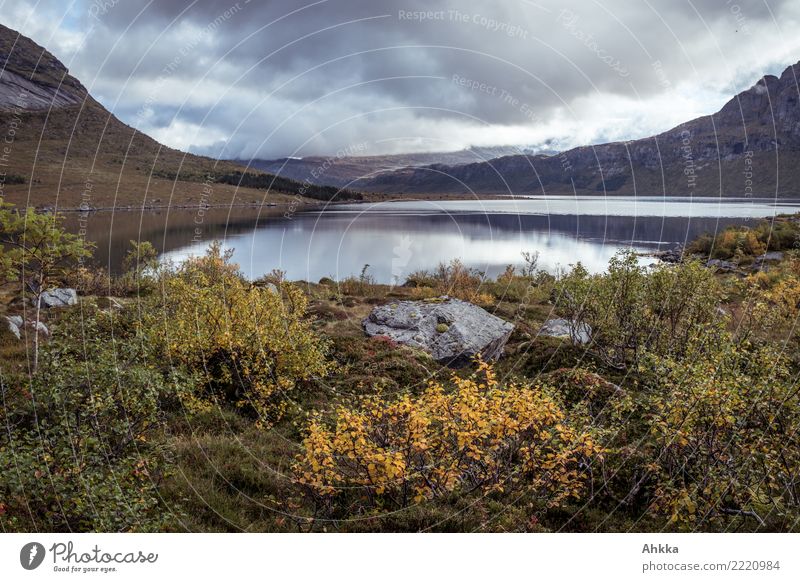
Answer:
(631, 308)
(81, 451)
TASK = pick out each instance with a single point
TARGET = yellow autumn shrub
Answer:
(473, 435)
(250, 344)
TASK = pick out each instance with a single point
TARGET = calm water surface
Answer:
(396, 238)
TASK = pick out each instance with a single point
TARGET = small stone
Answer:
(579, 333)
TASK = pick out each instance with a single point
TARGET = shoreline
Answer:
(370, 199)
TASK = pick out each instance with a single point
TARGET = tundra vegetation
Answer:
(185, 397)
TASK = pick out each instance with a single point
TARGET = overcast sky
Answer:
(279, 78)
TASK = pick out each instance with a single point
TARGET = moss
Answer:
(435, 299)
(442, 327)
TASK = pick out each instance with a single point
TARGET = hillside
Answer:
(343, 170)
(64, 149)
(751, 147)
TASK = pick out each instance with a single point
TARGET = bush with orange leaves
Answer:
(477, 436)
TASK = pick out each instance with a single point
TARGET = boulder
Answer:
(760, 262)
(40, 327)
(558, 327)
(452, 331)
(721, 265)
(59, 298)
(15, 323)
(674, 255)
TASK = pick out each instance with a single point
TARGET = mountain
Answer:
(344, 170)
(59, 147)
(751, 147)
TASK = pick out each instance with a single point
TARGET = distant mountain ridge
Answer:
(342, 171)
(751, 147)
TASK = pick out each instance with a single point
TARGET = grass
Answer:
(85, 156)
(230, 476)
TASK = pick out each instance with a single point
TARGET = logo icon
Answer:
(31, 555)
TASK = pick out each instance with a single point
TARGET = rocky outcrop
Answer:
(451, 330)
(33, 79)
(59, 298)
(578, 333)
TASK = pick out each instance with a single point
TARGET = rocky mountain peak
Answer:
(31, 78)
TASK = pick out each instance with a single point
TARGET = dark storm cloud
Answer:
(294, 78)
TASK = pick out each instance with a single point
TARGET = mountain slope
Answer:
(343, 170)
(61, 148)
(751, 147)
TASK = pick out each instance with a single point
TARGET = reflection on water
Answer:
(397, 238)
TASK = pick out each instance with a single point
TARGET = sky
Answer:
(279, 78)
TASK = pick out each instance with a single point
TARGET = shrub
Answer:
(251, 344)
(453, 279)
(724, 435)
(743, 242)
(79, 449)
(632, 309)
(479, 437)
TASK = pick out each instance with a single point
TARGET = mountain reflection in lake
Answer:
(397, 238)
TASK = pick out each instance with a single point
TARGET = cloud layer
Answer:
(268, 79)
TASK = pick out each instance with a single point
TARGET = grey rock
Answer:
(579, 333)
(674, 255)
(272, 288)
(451, 330)
(760, 262)
(721, 265)
(59, 298)
(15, 325)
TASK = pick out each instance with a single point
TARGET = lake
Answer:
(397, 238)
